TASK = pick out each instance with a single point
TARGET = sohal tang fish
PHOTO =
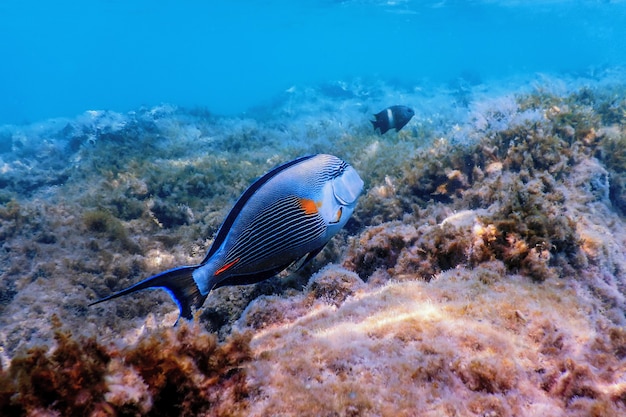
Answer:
(394, 117)
(287, 215)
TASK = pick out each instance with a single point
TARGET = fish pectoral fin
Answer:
(302, 261)
(298, 263)
(178, 282)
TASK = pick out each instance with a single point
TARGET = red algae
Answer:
(68, 380)
(182, 371)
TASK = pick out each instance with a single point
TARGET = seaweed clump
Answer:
(69, 380)
(102, 222)
(170, 372)
(512, 196)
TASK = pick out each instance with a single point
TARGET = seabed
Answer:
(483, 272)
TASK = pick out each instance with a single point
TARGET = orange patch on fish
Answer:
(310, 206)
(226, 267)
(338, 215)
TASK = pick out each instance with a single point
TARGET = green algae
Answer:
(103, 223)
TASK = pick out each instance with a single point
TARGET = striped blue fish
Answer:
(285, 217)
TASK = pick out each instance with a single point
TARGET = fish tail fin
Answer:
(381, 124)
(178, 282)
(376, 123)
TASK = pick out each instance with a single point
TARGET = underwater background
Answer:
(483, 272)
(65, 57)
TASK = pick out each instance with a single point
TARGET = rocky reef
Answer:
(483, 272)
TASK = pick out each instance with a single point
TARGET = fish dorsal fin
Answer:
(234, 212)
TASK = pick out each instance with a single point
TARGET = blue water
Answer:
(64, 57)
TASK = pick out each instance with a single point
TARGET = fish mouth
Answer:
(347, 187)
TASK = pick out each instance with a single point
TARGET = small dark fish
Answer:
(284, 218)
(394, 117)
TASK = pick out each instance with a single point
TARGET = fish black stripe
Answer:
(298, 237)
(333, 169)
(284, 210)
(303, 234)
(264, 226)
(294, 241)
(290, 228)
(273, 234)
(311, 226)
(265, 243)
(230, 219)
(276, 213)
(271, 225)
(257, 243)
